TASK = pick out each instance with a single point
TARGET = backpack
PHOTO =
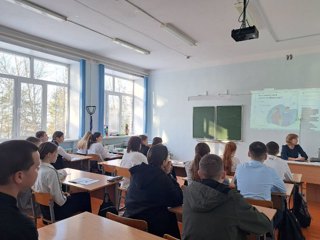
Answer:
(289, 228)
(300, 208)
(107, 206)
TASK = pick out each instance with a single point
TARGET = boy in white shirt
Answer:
(279, 165)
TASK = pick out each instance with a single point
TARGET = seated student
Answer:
(132, 157)
(42, 135)
(65, 205)
(58, 138)
(18, 171)
(292, 149)
(34, 140)
(152, 191)
(192, 167)
(211, 210)
(83, 143)
(279, 165)
(95, 146)
(156, 140)
(256, 180)
(144, 144)
(230, 162)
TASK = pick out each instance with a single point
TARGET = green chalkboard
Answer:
(203, 122)
(229, 123)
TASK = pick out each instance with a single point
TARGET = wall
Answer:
(170, 112)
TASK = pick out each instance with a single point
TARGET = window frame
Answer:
(19, 80)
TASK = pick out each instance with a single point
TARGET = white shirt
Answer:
(82, 151)
(235, 162)
(187, 166)
(97, 148)
(280, 166)
(128, 161)
(64, 154)
(48, 182)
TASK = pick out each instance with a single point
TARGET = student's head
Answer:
(156, 140)
(83, 142)
(158, 155)
(258, 151)
(34, 140)
(144, 139)
(134, 144)
(96, 137)
(292, 139)
(272, 148)
(201, 150)
(42, 135)
(211, 167)
(228, 153)
(58, 136)
(19, 164)
(48, 152)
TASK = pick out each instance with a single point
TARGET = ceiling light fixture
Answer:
(179, 34)
(39, 9)
(131, 46)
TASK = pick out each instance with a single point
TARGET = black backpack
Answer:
(289, 228)
(107, 206)
(300, 208)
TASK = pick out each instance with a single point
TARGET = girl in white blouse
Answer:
(95, 146)
(57, 139)
(65, 205)
(229, 160)
(82, 145)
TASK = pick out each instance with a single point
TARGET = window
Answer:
(123, 98)
(34, 95)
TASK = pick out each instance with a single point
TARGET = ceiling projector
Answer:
(243, 34)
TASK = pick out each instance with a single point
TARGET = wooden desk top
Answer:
(315, 164)
(86, 226)
(74, 173)
(269, 212)
(79, 157)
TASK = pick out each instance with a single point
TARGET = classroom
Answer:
(131, 67)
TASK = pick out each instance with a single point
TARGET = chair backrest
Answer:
(169, 237)
(45, 199)
(136, 223)
(262, 203)
(124, 172)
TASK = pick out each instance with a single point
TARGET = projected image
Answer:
(282, 115)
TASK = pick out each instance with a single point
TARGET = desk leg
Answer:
(313, 192)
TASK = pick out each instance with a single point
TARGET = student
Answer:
(34, 140)
(18, 171)
(144, 144)
(211, 210)
(292, 149)
(95, 146)
(279, 165)
(152, 191)
(42, 135)
(156, 140)
(65, 205)
(230, 162)
(256, 180)
(192, 167)
(58, 138)
(132, 157)
(83, 143)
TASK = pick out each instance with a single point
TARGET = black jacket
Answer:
(150, 193)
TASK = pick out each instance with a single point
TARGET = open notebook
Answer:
(83, 181)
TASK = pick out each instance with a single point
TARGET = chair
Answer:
(124, 172)
(96, 158)
(135, 223)
(109, 169)
(45, 199)
(169, 237)
(262, 203)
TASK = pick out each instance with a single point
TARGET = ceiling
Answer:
(286, 26)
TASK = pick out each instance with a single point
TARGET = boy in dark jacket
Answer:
(211, 210)
(152, 190)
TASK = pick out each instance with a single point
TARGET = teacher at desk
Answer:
(292, 150)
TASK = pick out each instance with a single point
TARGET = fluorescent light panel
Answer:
(39, 9)
(179, 34)
(131, 46)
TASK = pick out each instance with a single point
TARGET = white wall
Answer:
(170, 112)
